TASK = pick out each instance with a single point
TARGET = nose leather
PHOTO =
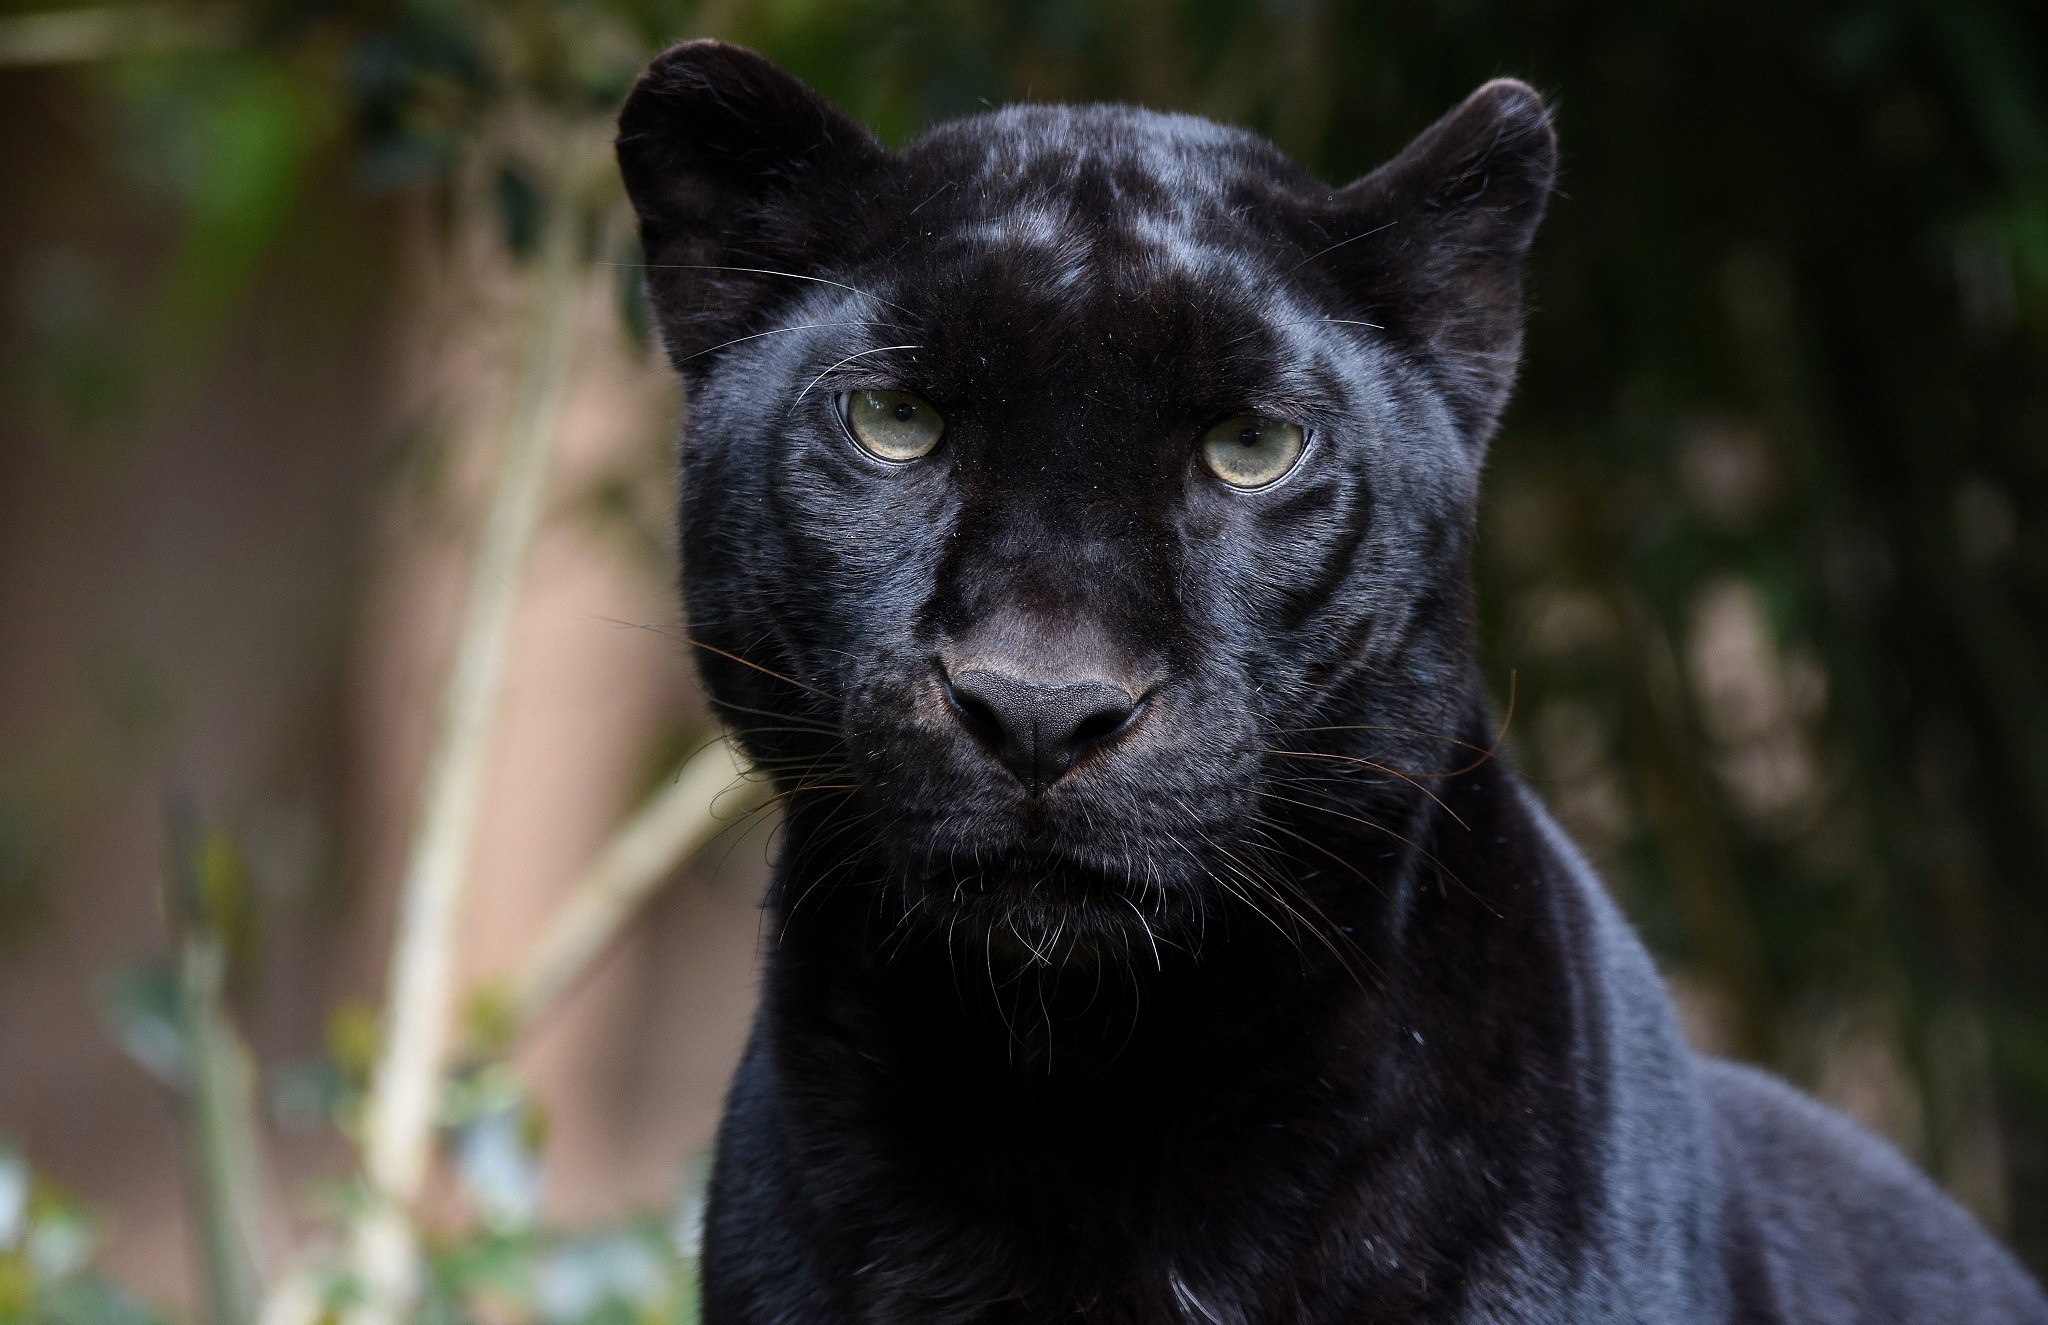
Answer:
(1038, 731)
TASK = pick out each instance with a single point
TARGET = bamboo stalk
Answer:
(221, 1137)
(405, 1085)
(673, 825)
(216, 1099)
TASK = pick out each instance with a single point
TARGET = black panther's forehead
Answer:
(1145, 208)
(1112, 158)
(998, 335)
(1122, 262)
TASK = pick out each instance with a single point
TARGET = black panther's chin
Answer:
(1023, 908)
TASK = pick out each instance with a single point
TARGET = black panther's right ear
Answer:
(1445, 227)
(736, 170)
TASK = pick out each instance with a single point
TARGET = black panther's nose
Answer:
(1038, 730)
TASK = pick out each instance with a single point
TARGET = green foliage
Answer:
(226, 135)
(46, 1244)
(632, 1274)
(496, 1265)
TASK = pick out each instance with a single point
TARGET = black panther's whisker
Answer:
(789, 795)
(827, 836)
(823, 877)
(810, 755)
(800, 743)
(1157, 962)
(818, 725)
(776, 331)
(1210, 844)
(759, 271)
(682, 633)
(765, 671)
(1275, 825)
(1396, 731)
(897, 941)
(1345, 779)
(817, 739)
(1273, 890)
(1485, 753)
(879, 349)
(816, 840)
(770, 730)
(749, 819)
(1376, 767)
(757, 814)
(1431, 856)
(1330, 927)
(1293, 937)
(988, 961)
(1299, 322)
(1332, 248)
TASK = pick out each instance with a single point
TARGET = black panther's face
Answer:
(1066, 487)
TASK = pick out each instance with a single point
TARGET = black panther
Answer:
(1077, 509)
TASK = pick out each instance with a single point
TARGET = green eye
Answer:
(892, 425)
(1252, 450)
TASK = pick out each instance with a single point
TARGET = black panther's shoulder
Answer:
(1829, 1224)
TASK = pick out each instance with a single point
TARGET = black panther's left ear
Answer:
(1444, 228)
(737, 169)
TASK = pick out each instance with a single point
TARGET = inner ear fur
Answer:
(1445, 226)
(735, 169)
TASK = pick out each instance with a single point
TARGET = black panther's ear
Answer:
(732, 163)
(1449, 221)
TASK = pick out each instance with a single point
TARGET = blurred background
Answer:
(1763, 567)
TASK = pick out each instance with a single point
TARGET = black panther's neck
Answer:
(1119, 1112)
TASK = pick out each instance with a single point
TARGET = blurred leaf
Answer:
(60, 1243)
(228, 135)
(519, 210)
(228, 901)
(14, 1189)
(92, 1300)
(143, 1009)
(495, 1132)
(353, 1031)
(499, 1168)
(488, 1018)
(620, 1275)
(17, 1288)
(310, 1094)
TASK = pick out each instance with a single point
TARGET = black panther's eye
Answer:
(891, 425)
(1252, 450)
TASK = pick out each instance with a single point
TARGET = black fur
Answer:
(1287, 1003)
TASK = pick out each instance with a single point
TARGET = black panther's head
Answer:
(1077, 502)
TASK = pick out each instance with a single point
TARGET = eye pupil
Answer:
(905, 412)
(1248, 438)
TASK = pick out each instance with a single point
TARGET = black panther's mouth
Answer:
(1043, 906)
(1041, 877)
